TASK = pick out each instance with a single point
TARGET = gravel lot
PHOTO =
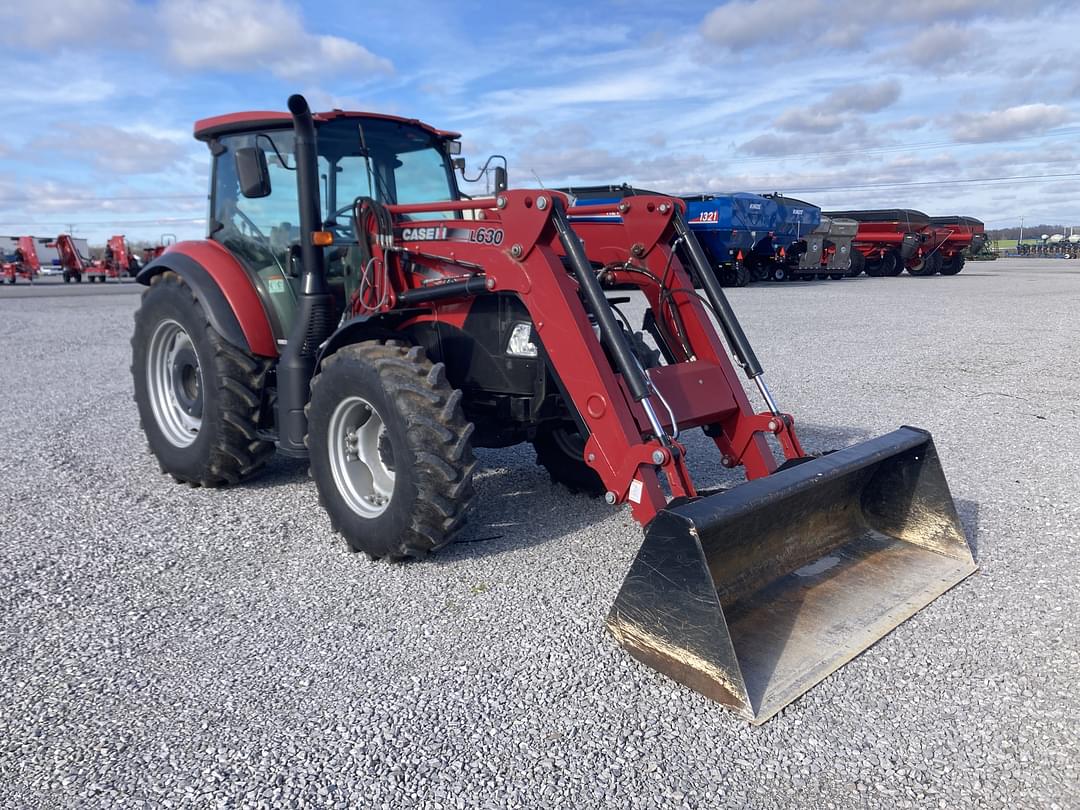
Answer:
(164, 646)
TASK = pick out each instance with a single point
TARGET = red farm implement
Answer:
(950, 240)
(116, 263)
(886, 240)
(22, 262)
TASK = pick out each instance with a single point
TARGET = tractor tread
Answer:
(438, 436)
(237, 451)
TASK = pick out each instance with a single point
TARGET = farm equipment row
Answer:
(22, 258)
(397, 325)
(750, 237)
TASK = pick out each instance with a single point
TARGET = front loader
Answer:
(384, 327)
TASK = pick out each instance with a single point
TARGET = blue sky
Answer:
(846, 104)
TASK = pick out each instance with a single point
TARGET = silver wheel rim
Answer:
(361, 457)
(174, 380)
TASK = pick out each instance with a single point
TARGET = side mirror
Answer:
(252, 172)
(459, 164)
(501, 183)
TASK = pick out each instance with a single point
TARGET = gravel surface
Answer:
(167, 646)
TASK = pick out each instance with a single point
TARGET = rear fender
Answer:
(222, 286)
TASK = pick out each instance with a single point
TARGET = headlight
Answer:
(520, 343)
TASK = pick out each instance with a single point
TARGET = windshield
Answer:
(402, 163)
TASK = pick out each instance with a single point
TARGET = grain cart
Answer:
(737, 230)
(382, 335)
(714, 218)
(21, 262)
(887, 239)
(951, 238)
(797, 251)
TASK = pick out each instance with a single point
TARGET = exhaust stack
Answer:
(314, 314)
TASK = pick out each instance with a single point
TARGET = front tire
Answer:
(390, 449)
(198, 396)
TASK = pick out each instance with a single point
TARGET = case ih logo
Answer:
(430, 234)
(440, 233)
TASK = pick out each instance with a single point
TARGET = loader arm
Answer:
(517, 247)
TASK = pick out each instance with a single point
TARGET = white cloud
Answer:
(745, 24)
(115, 150)
(864, 97)
(42, 24)
(791, 28)
(1026, 119)
(248, 35)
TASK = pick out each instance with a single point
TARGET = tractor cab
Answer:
(254, 201)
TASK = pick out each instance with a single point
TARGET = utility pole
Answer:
(1021, 237)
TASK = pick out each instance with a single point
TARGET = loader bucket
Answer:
(754, 595)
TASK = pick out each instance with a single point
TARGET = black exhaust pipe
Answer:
(314, 313)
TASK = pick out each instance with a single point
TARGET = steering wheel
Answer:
(335, 214)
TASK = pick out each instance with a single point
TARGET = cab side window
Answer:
(259, 231)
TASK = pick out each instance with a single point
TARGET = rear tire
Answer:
(737, 275)
(891, 264)
(560, 449)
(858, 264)
(399, 487)
(929, 266)
(835, 276)
(198, 396)
(952, 267)
(758, 270)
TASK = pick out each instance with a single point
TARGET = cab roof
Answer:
(207, 128)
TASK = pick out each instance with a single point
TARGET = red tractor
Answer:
(886, 240)
(384, 328)
(22, 262)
